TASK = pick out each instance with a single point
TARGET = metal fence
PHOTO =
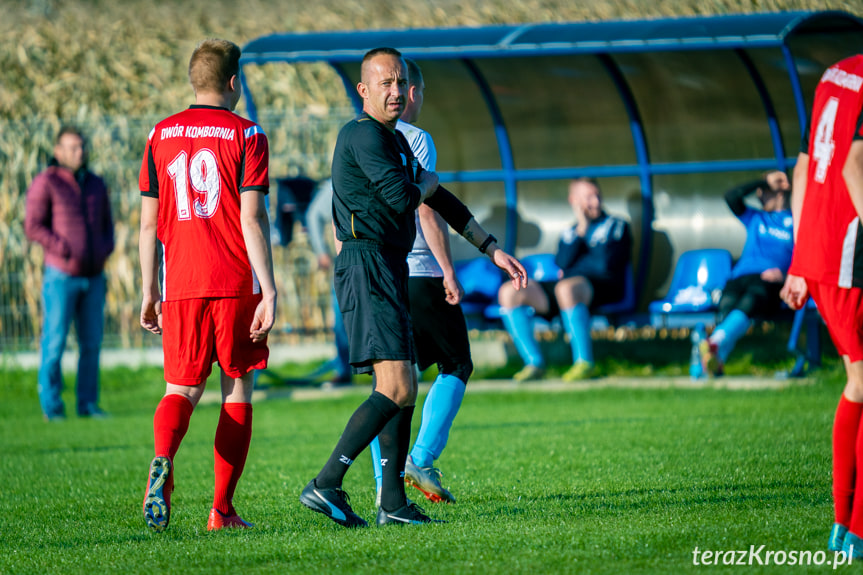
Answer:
(299, 144)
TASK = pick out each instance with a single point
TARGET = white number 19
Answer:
(203, 174)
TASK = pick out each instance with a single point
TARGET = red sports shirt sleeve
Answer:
(148, 182)
(257, 159)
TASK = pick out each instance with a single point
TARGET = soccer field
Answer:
(567, 481)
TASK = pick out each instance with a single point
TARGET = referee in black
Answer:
(378, 185)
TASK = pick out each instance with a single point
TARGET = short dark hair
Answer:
(212, 64)
(70, 129)
(381, 50)
(415, 75)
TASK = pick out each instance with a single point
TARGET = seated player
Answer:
(758, 275)
(593, 256)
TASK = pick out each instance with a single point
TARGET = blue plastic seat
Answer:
(696, 286)
(480, 280)
(540, 267)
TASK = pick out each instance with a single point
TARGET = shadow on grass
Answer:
(597, 503)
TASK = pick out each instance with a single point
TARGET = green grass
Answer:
(597, 481)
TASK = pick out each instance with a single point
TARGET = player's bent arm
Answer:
(436, 235)
(147, 244)
(256, 232)
(458, 216)
(475, 234)
(428, 185)
(852, 171)
(735, 196)
(451, 209)
(379, 160)
(801, 170)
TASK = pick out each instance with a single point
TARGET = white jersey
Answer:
(421, 262)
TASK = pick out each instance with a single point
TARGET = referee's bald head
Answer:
(371, 54)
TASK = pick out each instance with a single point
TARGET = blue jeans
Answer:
(65, 299)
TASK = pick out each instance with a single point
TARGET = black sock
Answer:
(395, 439)
(366, 422)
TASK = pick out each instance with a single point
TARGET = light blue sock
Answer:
(439, 411)
(576, 320)
(519, 325)
(375, 449)
(728, 333)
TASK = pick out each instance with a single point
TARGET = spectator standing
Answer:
(593, 257)
(203, 182)
(69, 214)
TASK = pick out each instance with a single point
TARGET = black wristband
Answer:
(487, 243)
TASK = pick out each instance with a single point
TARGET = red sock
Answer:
(170, 424)
(847, 445)
(233, 436)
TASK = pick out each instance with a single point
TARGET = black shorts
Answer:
(751, 295)
(604, 292)
(371, 283)
(440, 332)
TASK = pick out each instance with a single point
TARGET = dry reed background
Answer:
(115, 68)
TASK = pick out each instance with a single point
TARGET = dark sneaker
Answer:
(157, 501)
(410, 514)
(333, 503)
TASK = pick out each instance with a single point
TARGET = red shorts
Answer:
(842, 310)
(197, 332)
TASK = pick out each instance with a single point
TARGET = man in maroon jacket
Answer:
(68, 213)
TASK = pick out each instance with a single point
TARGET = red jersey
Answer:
(197, 163)
(829, 245)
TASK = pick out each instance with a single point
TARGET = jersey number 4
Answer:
(822, 150)
(203, 175)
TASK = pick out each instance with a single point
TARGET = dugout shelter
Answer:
(666, 113)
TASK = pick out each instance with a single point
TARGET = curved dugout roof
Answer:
(734, 31)
(700, 95)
